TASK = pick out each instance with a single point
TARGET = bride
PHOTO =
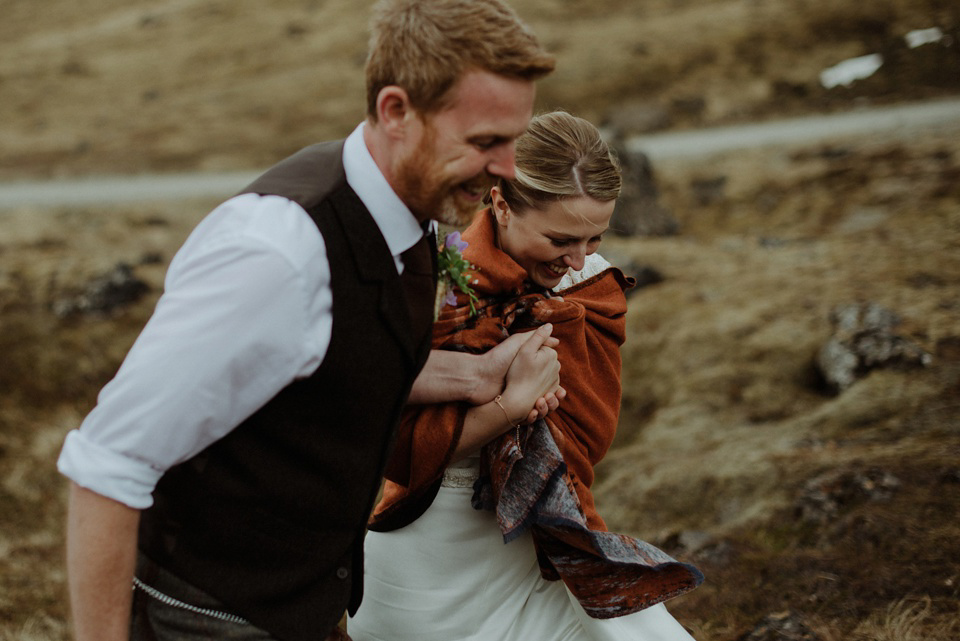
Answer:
(487, 527)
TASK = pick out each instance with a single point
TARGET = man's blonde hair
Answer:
(425, 47)
(561, 156)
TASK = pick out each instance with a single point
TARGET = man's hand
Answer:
(532, 388)
(495, 363)
(456, 376)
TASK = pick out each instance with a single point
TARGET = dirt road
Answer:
(897, 120)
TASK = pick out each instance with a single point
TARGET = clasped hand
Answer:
(533, 378)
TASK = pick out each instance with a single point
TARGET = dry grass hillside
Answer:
(815, 514)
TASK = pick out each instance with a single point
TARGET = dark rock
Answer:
(646, 276)
(717, 554)
(922, 280)
(638, 211)
(769, 242)
(156, 221)
(637, 117)
(152, 258)
(707, 191)
(104, 294)
(950, 476)
(295, 29)
(781, 626)
(825, 497)
(698, 546)
(863, 340)
(686, 541)
(948, 348)
(150, 21)
(785, 89)
(690, 106)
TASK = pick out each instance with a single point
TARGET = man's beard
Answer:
(429, 196)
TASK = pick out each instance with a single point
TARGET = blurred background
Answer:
(791, 211)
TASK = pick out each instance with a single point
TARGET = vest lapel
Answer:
(375, 265)
(313, 174)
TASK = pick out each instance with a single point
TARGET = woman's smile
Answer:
(551, 240)
(557, 269)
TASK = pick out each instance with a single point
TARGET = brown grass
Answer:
(724, 419)
(911, 619)
(106, 86)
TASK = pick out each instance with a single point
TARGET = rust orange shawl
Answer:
(547, 488)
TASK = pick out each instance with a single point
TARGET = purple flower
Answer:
(455, 272)
(453, 240)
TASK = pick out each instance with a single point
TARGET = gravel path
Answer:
(899, 120)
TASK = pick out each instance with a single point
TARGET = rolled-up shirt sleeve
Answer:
(246, 310)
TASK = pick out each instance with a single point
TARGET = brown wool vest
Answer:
(270, 519)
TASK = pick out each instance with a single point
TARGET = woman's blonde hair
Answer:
(561, 156)
(425, 46)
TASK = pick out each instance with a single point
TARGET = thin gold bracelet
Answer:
(509, 422)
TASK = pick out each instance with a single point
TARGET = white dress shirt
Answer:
(246, 309)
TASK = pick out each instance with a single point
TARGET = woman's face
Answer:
(547, 242)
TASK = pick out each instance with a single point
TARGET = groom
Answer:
(229, 468)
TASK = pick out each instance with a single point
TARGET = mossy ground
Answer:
(724, 420)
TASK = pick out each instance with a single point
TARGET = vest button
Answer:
(342, 573)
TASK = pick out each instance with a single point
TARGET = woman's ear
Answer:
(499, 205)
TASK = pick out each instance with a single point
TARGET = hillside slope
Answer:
(824, 514)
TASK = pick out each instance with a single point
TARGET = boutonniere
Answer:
(454, 273)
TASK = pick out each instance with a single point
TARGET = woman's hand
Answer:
(533, 388)
(544, 405)
(495, 363)
(476, 379)
(533, 379)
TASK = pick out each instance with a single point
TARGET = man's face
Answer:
(457, 153)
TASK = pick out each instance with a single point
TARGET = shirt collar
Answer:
(397, 224)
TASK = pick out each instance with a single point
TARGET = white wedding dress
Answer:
(448, 576)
